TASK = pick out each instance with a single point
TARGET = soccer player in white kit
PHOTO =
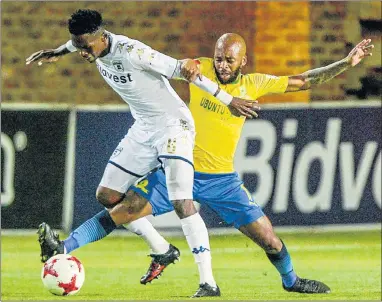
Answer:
(163, 132)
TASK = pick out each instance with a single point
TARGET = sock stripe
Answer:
(95, 228)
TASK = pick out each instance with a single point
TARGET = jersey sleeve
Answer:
(70, 47)
(265, 84)
(144, 57)
(200, 61)
(206, 66)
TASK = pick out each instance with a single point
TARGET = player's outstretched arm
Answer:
(48, 55)
(321, 75)
(143, 57)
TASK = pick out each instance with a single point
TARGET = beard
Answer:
(231, 79)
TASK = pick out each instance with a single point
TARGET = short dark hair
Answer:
(84, 21)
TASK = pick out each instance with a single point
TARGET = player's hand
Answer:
(362, 50)
(42, 56)
(241, 107)
(190, 70)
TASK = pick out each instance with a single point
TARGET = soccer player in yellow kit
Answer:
(216, 183)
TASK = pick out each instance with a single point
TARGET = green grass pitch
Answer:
(350, 263)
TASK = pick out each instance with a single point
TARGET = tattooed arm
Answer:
(321, 75)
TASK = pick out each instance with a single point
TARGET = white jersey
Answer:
(139, 75)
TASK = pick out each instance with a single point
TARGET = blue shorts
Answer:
(223, 193)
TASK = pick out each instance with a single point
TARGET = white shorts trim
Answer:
(139, 152)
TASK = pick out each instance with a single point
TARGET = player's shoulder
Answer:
(124, 44)
(207, 64)
(256, 77)
(205, 60)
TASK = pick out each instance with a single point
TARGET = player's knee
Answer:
(108, 197)
(129, 209)
(184, 208)
(133, 202)
(272, 243)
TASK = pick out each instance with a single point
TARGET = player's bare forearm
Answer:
(316, 76)
(323, 74)
(47, 55)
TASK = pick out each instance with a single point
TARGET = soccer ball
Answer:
(63, 275)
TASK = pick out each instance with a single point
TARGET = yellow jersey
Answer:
(217, 130)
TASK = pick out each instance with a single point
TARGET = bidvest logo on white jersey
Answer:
(123, 79)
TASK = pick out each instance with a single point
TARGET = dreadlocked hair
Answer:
(84, 21)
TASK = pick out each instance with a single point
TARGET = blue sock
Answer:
(283, 263)
(93, 229)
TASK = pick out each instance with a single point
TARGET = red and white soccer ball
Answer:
(63, 275)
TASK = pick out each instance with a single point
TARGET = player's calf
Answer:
(261, 232)
(179, 181)
(131, 208)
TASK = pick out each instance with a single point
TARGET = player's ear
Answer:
(104, 38)
(244, 61)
